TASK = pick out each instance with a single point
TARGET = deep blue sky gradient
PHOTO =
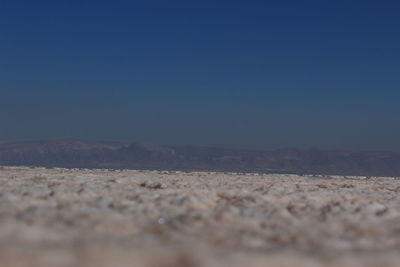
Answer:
(257, 74)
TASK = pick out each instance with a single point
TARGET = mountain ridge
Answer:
(78, 153)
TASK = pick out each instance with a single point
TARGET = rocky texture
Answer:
(61, 217)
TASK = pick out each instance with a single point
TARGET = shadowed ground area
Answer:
(71, 217)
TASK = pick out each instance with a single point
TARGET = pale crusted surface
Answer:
(59, 217)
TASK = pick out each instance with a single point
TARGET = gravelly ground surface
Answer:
(60, 217)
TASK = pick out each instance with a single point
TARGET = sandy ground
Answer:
(60, 217)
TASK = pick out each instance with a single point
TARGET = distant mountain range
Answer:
(119, 155)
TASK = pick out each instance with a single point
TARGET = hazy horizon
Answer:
(205, 145)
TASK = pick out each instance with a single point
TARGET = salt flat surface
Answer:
(61, 217)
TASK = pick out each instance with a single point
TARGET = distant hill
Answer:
(118, 155)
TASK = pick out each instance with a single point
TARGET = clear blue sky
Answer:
(257, 74)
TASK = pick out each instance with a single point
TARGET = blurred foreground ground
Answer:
(60, 217)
